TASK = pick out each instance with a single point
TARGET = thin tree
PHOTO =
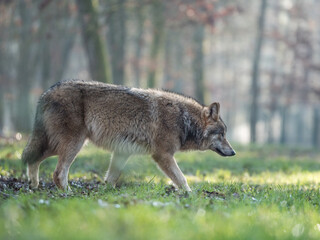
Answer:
(157, 10)
(198, 61)
(256, 72)
(65, 28)
(140, 19)
(26, 63)
(2, 82)
(93, 44)
(117, 39)
(315, 127)
(1, 96)
(45, 43)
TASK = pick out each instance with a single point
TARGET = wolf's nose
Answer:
(233, 153)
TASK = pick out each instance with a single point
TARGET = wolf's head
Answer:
(214, 134)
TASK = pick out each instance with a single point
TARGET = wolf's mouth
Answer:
(220, 152)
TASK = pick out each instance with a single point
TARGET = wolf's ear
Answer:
(214, 110)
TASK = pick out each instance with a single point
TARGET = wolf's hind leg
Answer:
(169, 166)
(67, 154)
(117, 163)
(33, 170)
(33, 154)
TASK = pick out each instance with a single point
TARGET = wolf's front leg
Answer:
(169, 166)
(117, 163)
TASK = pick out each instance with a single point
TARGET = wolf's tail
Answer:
(37, 142)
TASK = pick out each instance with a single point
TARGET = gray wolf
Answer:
(123, 120)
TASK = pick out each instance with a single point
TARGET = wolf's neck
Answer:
(192, 131)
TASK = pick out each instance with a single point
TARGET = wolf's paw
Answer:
(110, 185)
(33, 185)
(68, 189)
(64, 191)
(182, 193)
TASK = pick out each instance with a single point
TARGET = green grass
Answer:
(261, 193)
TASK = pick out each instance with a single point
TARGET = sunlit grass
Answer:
(267, 177)
(262, 193)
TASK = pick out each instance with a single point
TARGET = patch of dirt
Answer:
(170, 190)
(13, 184)
(213, 194)
(11, 187)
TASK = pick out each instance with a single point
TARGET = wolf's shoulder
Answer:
(179, 97)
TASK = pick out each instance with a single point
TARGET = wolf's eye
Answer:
(216, 132)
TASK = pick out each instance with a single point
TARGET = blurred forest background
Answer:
(259, 58)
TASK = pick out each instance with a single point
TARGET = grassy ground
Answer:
(261, 193)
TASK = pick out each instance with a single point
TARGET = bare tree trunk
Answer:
(315, 127)
(168, 65)
(117, 39)
(46, 64)
(55, 49)
(1, 108)
(7, 64)
(197, 62)
(93, 44)
(269, 128)
(22, 104)
(66, 47)
(299, 131)
(46, 29)
(178, 62)
(283, 135)
(140, 11)
(157, 40)
(173, 61)
(2, 84)
(273, 107)
(255, 72)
